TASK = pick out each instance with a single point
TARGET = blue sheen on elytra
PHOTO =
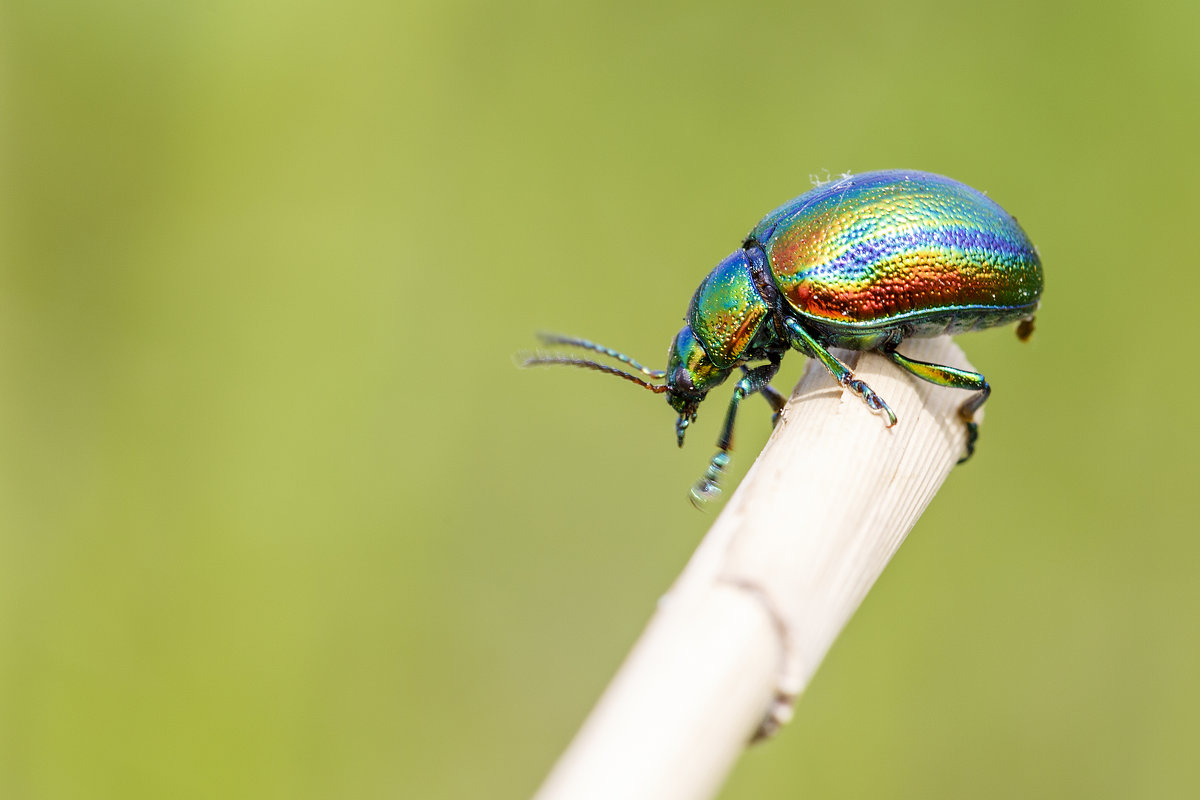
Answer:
(873, 248)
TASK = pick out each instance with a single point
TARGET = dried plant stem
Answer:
(779, 574)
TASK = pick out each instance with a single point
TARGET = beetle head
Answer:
(690, 376)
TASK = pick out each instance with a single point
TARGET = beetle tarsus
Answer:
(967, 414)
(972, 437)
(709, 485)
(873, 401)
(702, 492)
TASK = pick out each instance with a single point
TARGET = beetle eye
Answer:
(681, 381)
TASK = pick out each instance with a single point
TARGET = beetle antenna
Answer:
(537, 361)
(571, 341)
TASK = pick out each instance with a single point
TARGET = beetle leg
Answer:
(803, 341)
(755, 380)
(773, 397)
(941, 375)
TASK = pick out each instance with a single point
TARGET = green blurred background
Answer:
(280, 518)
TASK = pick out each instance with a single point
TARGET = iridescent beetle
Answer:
(862, 263)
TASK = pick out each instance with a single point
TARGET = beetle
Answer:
(861, 263)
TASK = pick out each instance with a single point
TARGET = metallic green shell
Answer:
(726, 311)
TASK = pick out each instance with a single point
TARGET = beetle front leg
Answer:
(802, 340)
(755, 380)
